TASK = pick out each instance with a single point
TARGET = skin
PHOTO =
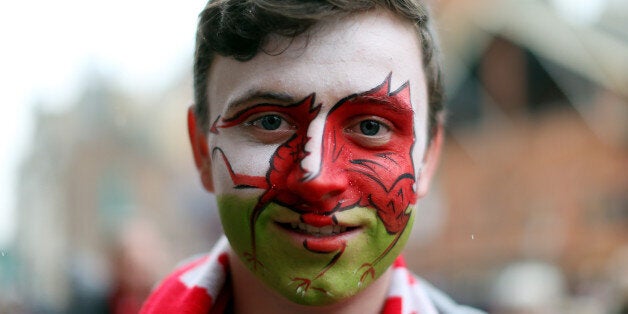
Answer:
(328, 133)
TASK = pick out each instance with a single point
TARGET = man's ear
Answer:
(200, 149)
(430, 161)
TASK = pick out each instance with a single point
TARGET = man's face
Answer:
(316, 154)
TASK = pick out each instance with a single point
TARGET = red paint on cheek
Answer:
(350, 174)
(381, 177)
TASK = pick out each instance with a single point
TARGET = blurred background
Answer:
(99, 198)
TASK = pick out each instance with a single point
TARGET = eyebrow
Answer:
(254, 94)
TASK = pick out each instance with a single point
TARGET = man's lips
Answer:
(325, 245)
(318, 232)
(318, 220)
(317, 225)
(327, 239)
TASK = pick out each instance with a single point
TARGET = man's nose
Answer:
(321, 178)
(324, 187)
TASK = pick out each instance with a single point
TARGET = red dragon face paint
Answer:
(366, 167)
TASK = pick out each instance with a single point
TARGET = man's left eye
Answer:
(370, 132)
(370, 127)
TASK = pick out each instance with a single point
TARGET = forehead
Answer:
(338, 57)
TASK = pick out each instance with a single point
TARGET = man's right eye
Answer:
(270, 128)
(269, 122)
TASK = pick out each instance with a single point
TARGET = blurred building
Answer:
(535, 166)
(107, 193)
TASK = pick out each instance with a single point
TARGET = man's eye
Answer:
(269, 128)
(370, 132)
(270, 122)
(369, 127)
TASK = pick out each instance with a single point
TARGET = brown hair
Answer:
(239, 28)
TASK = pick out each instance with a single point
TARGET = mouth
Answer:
(317, 232)
(322, 240)
(321, 233)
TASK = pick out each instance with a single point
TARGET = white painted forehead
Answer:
(338, 57)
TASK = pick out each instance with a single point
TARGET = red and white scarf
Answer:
(199, 287)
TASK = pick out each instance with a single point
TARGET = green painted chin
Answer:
(296, 273)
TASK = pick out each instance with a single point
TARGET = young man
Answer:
(317, 126)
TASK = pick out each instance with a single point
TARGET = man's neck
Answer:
(252, 296)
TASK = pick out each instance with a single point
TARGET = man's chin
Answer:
(319, 292)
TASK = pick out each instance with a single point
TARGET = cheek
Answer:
(246, 158)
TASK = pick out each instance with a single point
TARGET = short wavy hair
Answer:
(239, 29)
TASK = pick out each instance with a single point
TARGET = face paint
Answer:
(313, 155)
(361, 195)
